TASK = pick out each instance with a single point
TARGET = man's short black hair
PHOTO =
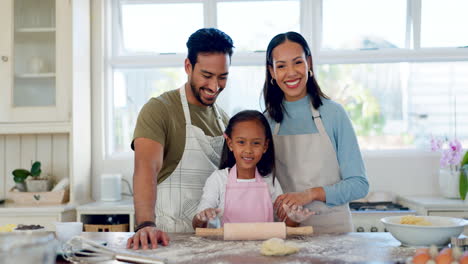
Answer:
(207, 40)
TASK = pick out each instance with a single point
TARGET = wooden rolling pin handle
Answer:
(299, 231)
(209, 232)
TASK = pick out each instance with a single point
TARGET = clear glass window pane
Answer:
(444, 23)
(243, 90)
(132, 88)
(159, 28)
(401, 105)
(363, 24)
(252, 25)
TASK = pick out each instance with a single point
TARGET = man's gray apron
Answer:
(178, 196)
(306, 161)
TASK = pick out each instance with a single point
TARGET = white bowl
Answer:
(439, 233)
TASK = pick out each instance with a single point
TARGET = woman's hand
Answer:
(297, 198)
(148, 234)
(297, 213)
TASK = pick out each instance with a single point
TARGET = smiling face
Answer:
(290, 70)
(248, 143)
(208, 78)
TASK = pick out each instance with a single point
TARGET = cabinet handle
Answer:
(5, 58)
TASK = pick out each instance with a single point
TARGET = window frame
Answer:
(308, 25)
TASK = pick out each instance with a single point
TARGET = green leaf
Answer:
(18, 179)
(21, 173)
(463, 187)
(36, 169)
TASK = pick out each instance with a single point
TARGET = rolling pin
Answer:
(253, 231)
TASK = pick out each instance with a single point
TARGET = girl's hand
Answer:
(207, 214)
(297, 213)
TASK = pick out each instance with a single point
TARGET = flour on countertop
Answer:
(346, 248)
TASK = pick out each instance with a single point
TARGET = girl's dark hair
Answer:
(267, 162)
(207, 40)
(272, 94)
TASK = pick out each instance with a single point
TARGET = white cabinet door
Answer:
(32, 89)
(6, 40)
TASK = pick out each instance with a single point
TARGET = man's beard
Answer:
(197, 95)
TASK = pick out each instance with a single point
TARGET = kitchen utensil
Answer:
(438, 233)
(37, 65)
(83, 250)
(214, 223)
(253, 231)
(25, 247)
(111, 187)
(461, 242)
(64, 231)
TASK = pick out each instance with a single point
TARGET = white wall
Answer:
(409, 172)
(403, 172)
(17, 151)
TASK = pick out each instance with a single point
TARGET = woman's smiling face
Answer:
(290, 70)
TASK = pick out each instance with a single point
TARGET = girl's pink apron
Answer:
(247, 202)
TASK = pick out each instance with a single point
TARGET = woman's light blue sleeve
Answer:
(354, 184)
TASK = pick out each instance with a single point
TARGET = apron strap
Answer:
(276, 129)
(317, 120)
(185, 107)
(218, 118)
(316, 117)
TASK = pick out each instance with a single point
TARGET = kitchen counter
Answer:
(343, 248)
(434, 203)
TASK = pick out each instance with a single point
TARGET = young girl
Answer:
(243, 189)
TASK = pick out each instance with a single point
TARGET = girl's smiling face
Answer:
(248, 143)
(290, 70)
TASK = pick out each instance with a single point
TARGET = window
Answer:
(348, 25)
(152, 27)
(444, 24)
(397, 66)
(267, 16)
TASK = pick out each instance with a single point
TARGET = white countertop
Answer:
(124, 205)
(435, 203)
(27, 209)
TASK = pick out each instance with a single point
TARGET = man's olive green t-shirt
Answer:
(162, 119)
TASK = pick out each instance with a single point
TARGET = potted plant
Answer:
(464, 177)
(35, 183)
(450, 181)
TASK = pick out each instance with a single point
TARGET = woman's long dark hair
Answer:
(267, 163)
(272, 94)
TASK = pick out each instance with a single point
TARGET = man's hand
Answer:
(148, 234)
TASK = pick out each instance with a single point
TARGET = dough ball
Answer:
(277, 247)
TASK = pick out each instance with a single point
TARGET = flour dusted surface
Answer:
(344, 248)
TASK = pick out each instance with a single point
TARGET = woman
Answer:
(318, 161)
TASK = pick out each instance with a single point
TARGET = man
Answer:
(175, 142)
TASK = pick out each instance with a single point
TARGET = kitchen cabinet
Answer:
(36, 61)
(44, 216)
(436, 206)
(45, 102)
(91, 213)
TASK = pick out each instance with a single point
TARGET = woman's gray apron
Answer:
(306, 161)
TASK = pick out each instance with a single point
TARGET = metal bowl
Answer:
(24, 247)
(439, 233)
